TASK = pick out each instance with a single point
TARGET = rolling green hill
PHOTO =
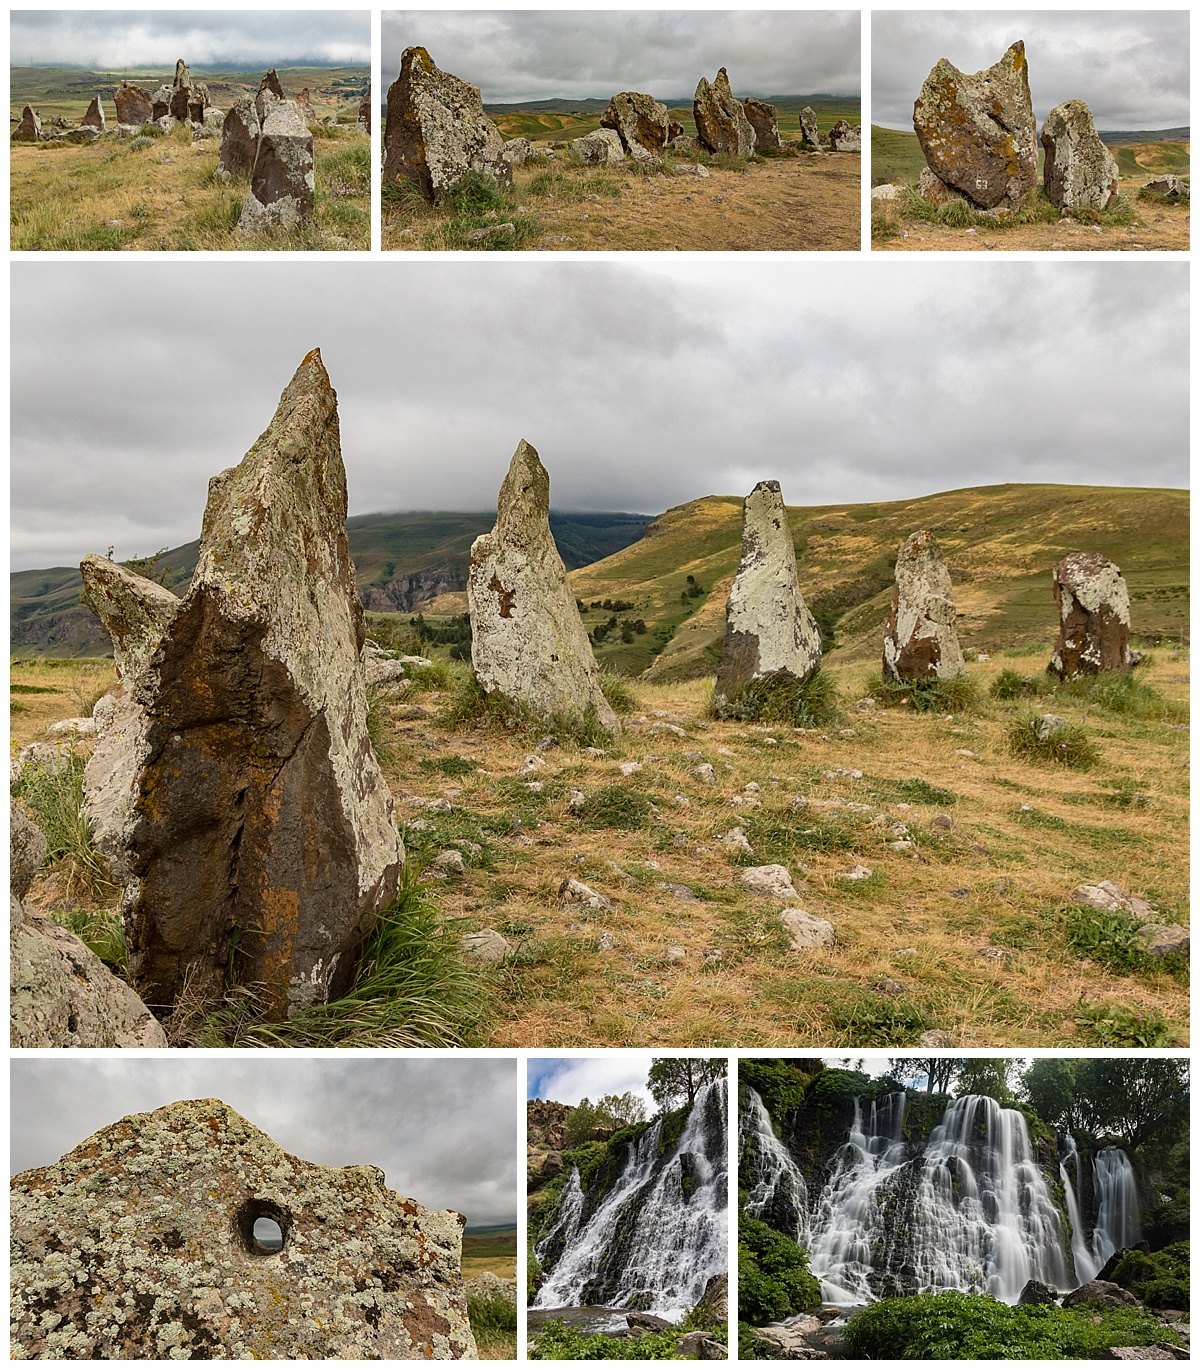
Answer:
(401, 560)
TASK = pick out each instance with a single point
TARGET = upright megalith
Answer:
(134, 105)
(239, 139)
(528, 642)
(764, 120)
(146, 1242)
(282, 181)
(94, 118)
(810, 134)
(364, 111)
(160, 103)
(721, 123)
(181, 92)
(29, 130)
(436, 131)
(1079, 171)
(920, 641)
(1093, 613)
(978, 132)
(769, 630)
(262, 843)
(641, 123)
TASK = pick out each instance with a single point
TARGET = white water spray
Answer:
(1118, 1215)
(775, 1188)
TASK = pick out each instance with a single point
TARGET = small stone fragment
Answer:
(26, 849)
(772, 882)
(856, 872)
(705, 773)
(805, 931)
(487, 945)
(573, 891)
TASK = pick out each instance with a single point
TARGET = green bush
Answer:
(141, 141)
(1161, 1279)
(557, 1341)
(1010, 684)
(1113, 1025)
(954, 696)
(774, 1280)
(782, 699)
(957, 1326)
(865, 1019)
(469, 705)
(1116, 940)
(1066, 745)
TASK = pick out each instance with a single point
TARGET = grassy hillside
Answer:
(47, 618)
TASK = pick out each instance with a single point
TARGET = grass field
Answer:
(113, 196)
(1135, 223)
(491, 1248)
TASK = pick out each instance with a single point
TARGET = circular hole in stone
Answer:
(268, 1234)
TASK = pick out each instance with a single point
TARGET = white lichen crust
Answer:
(920, 641)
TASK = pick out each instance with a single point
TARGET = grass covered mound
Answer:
(956, 1326)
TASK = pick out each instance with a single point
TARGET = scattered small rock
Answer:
(856, 872)
(771, 882)
(705, 773)
(576, 892)
(934, 1039)
(531, 763)
(805, 931)
(675, 955)
(450, 861)
(487, 945)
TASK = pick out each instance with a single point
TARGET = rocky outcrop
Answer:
(601, 147)
(134, 106)
(62, 995)
(529, 644)
(936, 191)
(920, 641)
(181, 91)
(94, 118)
(546, 1124)
(364, 111)
(141, 1243)
(1100, 1294)
(436, 130)
(29, 130)
(1079, 171)
(721, 123)
(1093, 613)
(239, 139)
(407, 593)
(769, 631)
(263, 830)
(26, 849)
(764, 120)
(282, 184)
(1171, 186)
(978, 132)
(641, 123)
(845, 137)
(810, 135)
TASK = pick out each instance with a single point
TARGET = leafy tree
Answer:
(984, 1076)
(1140, 1101)
(608, 1114)
(1051, 1086)
(678, 1079)
(937, 1071)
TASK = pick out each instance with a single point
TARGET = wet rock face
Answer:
(721, 123)
(1079, 170)
(140, 1244)
(978, 132)
(134, 106)
(239, 139)
(262, 828)
(282, 184)
(641, 123)
(769, 630)
(29, 130)
(764, 120)
(920, 641)
(529, 643)
(436, 130)
(1093, 612)
(94, 118)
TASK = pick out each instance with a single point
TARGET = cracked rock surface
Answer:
(1093, 611)
(920, 641)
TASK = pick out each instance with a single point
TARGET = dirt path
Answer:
(1165, 229)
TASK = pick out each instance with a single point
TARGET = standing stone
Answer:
(920, 641)
(94, 118)
(29, 130)
(764, 120)
(640, 122)
(160, 103)
(198, 102)
(601, 147)
(263, 834)
(282, 184)
(769, 631)
(1093, 612)
(181, 92)
(1079, 171)
(721, 123)
(936, 191)
(845, 136)
(364, 111)
(140, 1244)
(239, 139)
(978, 132)
(529, 644)
(810, 134)
(26, 849)
(134, 105)
(436, 130)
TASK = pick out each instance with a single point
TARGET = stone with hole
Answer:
(133, 104)
(235, 1249)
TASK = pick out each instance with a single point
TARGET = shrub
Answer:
(782, 699)
(958, 1326)
(1114, 1025)
(476, 192)
(1114, 938)
(557, 1341)
(1010, 684)
(866, 1019)
(774, 1280)
(1067, 744)
(1120, 692)
(101, 931)
(1160, 1279)
(141, 141)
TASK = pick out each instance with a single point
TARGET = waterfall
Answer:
(657, 1234)
(1118, 1218)
(972, 1212)
(775, 1188)
(1081, 1254)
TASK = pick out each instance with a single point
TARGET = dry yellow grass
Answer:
(111, 196)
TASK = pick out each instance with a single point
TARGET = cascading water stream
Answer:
(1081, 1254)
(658, 1234)
(1118, 1216)
(775, 1188)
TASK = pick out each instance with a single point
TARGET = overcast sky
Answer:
(443, 1130)
(1130, 66)
(519, 55)
(569, 1080)
(642, 385)
(114, 40)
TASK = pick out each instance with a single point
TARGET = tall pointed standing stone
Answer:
(263, 843)
(721, 123)
(769, 630)
(181, 91)
(29, 130)
(920, 642)
(94, 118)
(1093, 611)
(528, 641)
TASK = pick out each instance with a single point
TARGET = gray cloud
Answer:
(642, 385)
(1130, 66)
(119, 40)
(520, 55)
(443, 1129)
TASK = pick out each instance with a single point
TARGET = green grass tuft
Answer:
(954, 696)
(1066, 745)
(470, 705)
(53, 793)
(1106, 1024)
(812, 703)
(616, 806)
